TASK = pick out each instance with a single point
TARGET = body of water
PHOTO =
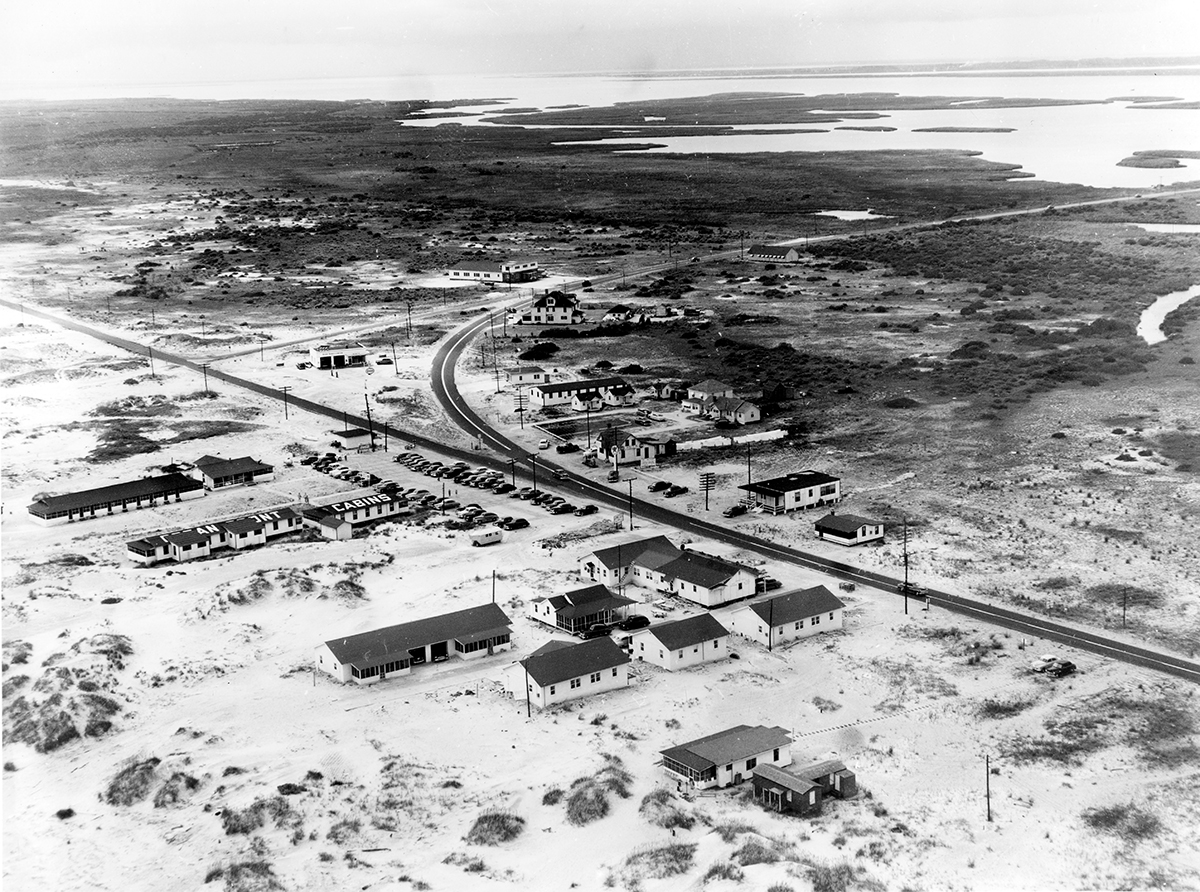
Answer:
(1150, 325)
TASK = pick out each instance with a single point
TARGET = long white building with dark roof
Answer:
(788, 616)
(559, 670)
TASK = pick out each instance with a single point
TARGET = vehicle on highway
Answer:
(660, 485)
(560, 474)
(633, 622)
(543, 444)
(674, 490)
(912, 590)
(584, 510)
(734, 510)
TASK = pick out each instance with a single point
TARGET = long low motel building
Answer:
(495, 271)
(201, 541)
(370, 657)
(150, 492)
(337, 521)
(562, 393)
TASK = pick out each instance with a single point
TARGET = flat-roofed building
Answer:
(494, 270)
(794, 492)
(338, 355)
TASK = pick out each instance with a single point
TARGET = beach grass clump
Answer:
(723, 870)
(494, 827)
(1126, 820)
(588, 798)
(132, 783)
(658, 808)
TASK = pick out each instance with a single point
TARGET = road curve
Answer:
(461, 413)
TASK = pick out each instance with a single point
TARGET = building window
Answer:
(594, 678)
(776, 759)
(816, 620)
(552, 690)
(695, 650)
(642, 646)
(681, 655)
(717, 643)
(751, 762)
(575, 683)
(831, 617)
(614, 671)
(797, 625)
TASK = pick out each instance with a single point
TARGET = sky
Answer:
(95, 48)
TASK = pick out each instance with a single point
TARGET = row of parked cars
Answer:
(668, 489)
(329, 464)
(459, 472)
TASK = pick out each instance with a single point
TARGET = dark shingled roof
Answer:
(844, 523)
(699, 569)
(687, 632)
(570, 386)
(227, 467)
(789, 483)
(372, 648)
(254, 522)
(550, 666)
(586, 601)
(784, 779)
(794, 606)
(731, 745)
(658, 548)
(167, 484)
(710, 386)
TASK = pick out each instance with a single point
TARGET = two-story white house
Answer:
(727, 757)
(526, 375)
(625, 447)
(789, 616)
(681, 644)
(555, 308)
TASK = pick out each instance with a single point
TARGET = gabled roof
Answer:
(194, 536)
(688, 632)
(769, 250)
(227, 467)
(619, 308)
(699, 569)
(255, 522)
(569, 386)
(525, 370)
(821, 769)
(573, 660)
(710, 386)
(476, 266)
(794, 606)
(556, 299)
(789, 482)
(731, 403)
(656, 550)
(586, 601)
(730, 745)
(368, 649)
(784, 779)
(145, 488)
(844, 523)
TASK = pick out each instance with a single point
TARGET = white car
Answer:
(655, 416)
(543, 444)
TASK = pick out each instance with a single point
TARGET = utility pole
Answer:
(906, 565)
(203, 328)
(409, 304)
(987, 781)
(708, 481)
(285, 393)
(150, 353)
(1124, 603)
(587, 420)
(631, 503)
(204, 368)
(395, 364)
(528, 707)
(370, 429)
(493, 586)
(533, 459)
(512, 467)
(770, 625)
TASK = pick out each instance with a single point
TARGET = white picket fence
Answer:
(710, 442)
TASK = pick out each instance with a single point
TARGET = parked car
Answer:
(674, 490)
(660, 485)
(734, 510)
(584, 510)
(517, 523)
(501, 489)
(446, 504)
(383, 360)
(486, 517)
(655, 416)
(564, 448)
(1044, 662)
(1060, 668)
(308, 460)
(564, 508)
(599, 630)
(633, 622)
(613, 476)
(766, 583)
(543, 444)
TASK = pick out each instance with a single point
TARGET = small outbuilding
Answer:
(848, 529)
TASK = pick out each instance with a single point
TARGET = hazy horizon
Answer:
(64, 49)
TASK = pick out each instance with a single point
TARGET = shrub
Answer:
(246, 876)
(1003, 709)
(494, 827)
(723, 870)
(343, 830)
(176, 787)
(659, 862)
(132, 783)
(731, 830)
(553, 796)
(754, 852)
(1128, 821)
(63, 813)
(469, 863)
(839, 877)
(658, 809)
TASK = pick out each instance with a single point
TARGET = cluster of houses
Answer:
(183, 483)
(715, 400)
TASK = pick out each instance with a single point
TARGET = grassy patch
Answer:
(660, 810)
(587, 800)
(246, 876)
(175, 789)
(840, 876)
(469, 863)
(723, 870)
(995, 708)
(1128, 821)
(1066, 741)
(731, 830)
(1118, 594)
(658, 862)
(495, 827)
(824, 705)
(754, 851)
(553, 796)
(251, 818)
(132, 783)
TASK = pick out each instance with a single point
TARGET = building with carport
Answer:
(369, 657)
